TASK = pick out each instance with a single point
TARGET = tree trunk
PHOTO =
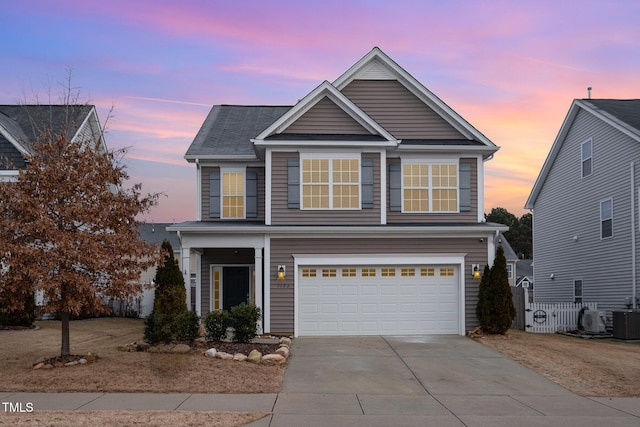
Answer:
(64, 317)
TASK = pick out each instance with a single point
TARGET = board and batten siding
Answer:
(282, 292)
(396, 217)
(205, 192)
(281, 214)
(326, 118)
(398, 110)
(566, 218)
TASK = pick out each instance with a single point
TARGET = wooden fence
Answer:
(549, 318)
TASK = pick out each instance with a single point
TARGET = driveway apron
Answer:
(439, 380)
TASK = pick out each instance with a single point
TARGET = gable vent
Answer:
(375, 71)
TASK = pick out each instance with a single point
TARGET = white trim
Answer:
(328, 144)
(267, 284)
(258, 281)
(383, 187)
(430, 161)
(381, 259)
(9, 175)
(330, 156)
(480, 188)
(212, 267)
(198, 283)
(199, 191)
(267, 186)
(236, 169)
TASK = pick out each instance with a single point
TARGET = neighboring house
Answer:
(585, 207)
(22, 125)
(357, 211)
(524, 273)
(510, 256)
(155, 233)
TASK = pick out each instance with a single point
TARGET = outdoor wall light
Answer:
(281, 272)
(475, 271)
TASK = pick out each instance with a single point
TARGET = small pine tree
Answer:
(170, 300)
(495, 307)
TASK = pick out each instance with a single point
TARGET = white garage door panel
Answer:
(359, 304)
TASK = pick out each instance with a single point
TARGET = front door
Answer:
(235, 286)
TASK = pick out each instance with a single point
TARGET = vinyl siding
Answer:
(282, 292)
(10, 157)
(282, 215)
(206, 170)
(326, 118)
(399, 111)
(467, 216)
(569, 205)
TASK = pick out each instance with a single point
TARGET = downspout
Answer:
(633, 238)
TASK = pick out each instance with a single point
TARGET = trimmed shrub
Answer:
(245, 322)
(187, 325)
(216, 325)
(158, 328)
(495, 307)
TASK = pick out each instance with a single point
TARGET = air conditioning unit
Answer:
(593, 321)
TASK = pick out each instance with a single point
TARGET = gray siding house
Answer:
(22, 125)
(585, 206)
(356, 211)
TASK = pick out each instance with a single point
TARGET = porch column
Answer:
(186, 272)
(258, 291)
(198, 254)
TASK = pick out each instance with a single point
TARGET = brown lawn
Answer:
(118, 371)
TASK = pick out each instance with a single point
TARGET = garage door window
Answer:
(446, 272)
(368, 272)
(308, 272)
(328, 272)
(427, 272)
(408, 272)
(348, 272)
(388, 272)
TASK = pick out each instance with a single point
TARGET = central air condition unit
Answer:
(593, 322)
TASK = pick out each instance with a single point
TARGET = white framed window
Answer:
(430, 186)
(577, 291)
(586, 157)
(510, 271)
(330, 181)
(606, 218)
(233, 193)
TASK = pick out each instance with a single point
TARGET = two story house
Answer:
(585, 207)
(356, 211)
(22, 125)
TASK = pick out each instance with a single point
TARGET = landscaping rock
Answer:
(284, 351)
(210, 353)
(39, 365)
(181, 348)
(273, 359)
(284, 341)
(91, 357)
(72, 363)
(254, 357)
(240, 357)
(41, 360)
(82, 361)
(223, 355)
(47, 366)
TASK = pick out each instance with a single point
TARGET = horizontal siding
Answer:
(10, 157)
(569, 205)
(326, 118)
(399, 111)
(282, 292)
(205, 192)
(468, 216)
(282, 215)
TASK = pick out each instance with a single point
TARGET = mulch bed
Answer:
(233, 347)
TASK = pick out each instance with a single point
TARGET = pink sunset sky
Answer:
(510, 68)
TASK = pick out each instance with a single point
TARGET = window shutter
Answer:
(252, 194)
(465, 187)
(395, 187)
(293, 183)
(366, 179)
(214, 194)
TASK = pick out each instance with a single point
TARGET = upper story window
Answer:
(233, 194)
(606, 218)
(330, 183)
(577, 291)
(587, 158)
(510, 271)
(429, 187)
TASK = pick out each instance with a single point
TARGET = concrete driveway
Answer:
(425, 380)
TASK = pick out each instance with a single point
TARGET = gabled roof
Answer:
(234, 126)
(622, 114)
(509, 253)
(155, 233)
(324, 90)
(377, 64)
(22, 125)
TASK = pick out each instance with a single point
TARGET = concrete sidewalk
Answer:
(382, 381)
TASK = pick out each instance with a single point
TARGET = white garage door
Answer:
(378, 300)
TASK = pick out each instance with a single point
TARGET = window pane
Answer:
(586, 168)
(233, 195)
(607, 228)
(586, 150)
